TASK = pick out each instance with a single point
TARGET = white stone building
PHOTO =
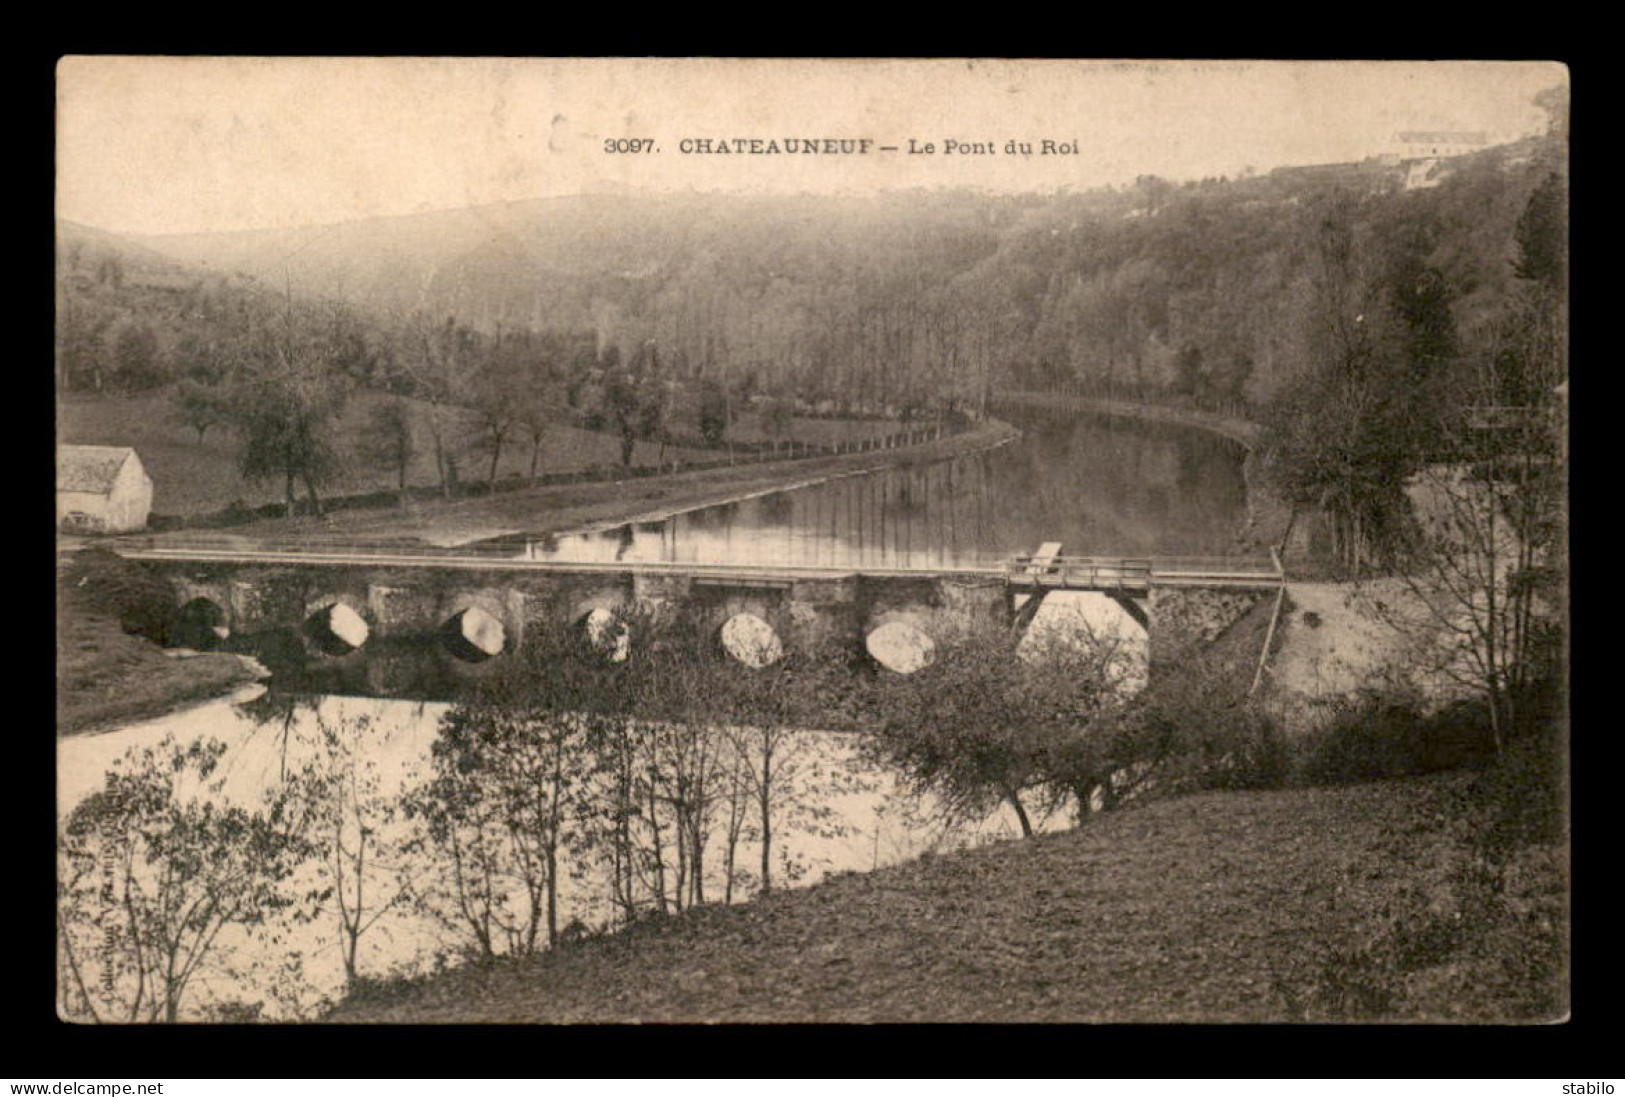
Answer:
(1430, 144)
(101, 489)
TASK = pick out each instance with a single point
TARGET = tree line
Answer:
(1205, 291)
(604, 776)
(1353, 316)
(276, 374)
(623, 768)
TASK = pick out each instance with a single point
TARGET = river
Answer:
(1099, 486)
(1096, 484)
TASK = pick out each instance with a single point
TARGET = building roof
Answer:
(1444, 137)
(90, 468)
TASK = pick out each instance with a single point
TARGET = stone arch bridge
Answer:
(481, 600)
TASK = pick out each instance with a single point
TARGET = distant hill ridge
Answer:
(825, 292)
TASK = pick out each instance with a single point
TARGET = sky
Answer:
(184, 144)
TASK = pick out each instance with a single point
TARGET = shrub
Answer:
(142, 603)
(1247, 750)
(1380, 735)
(1485, 940)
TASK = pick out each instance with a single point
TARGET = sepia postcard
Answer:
(655, 540)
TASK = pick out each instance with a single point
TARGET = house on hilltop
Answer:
(1421, 152)
(1429, 144)
(101, 489)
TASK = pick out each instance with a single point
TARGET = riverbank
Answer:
(1268, 523)
(587, 506)
(106, 677)
(196, 476)
(1333, 904)
(1241, 431)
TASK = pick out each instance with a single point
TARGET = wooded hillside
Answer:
(1206, 289)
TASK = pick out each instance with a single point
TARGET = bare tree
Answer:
(438, 360)
(153, 871)
(344, 818)
(286, 399)
(387, 439)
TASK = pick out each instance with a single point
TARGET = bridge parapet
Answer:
(258, 586)
(1116, 573)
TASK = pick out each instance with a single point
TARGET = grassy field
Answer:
(193, 477)
(1357, 903)
(601, 503)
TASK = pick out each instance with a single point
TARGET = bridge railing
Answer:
(315, 546)
(1106, 572)
(1081, 571)
(1240, 565)
(1099, 572)
(507, 556)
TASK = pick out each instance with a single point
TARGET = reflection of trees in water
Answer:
(1102, 485)
(625, 538)
(1098, 484)
(776, 508)
(280, 714)
(711, 518)
(416, 667)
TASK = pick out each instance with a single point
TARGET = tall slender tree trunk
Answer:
(552, 894)
(1021, 813)
(315, 500)
(767, 845)
(1083, 792)
(659, 850)
(764, 803)
(440, 464)
(697, 892)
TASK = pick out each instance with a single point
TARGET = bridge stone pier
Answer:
(334, 603)
(1180, 618)
(244, 600)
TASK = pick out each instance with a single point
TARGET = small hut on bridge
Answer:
(101, 489)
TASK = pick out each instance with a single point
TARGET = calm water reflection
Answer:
(863, 821)
(1101, 486)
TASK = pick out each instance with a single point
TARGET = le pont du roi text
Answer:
(863, 146)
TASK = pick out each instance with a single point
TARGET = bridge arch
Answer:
(474, 635)
(201, 623)
(603, 631)
(749, 639)
(475, 624)
(901, 646)
(336, 624)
